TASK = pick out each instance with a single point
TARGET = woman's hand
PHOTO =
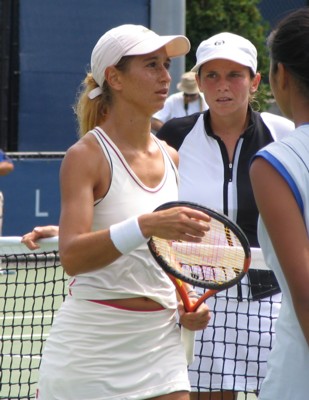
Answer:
(39, 232)
(176, 223)
(196, 320)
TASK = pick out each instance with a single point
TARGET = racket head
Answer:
(218, 262)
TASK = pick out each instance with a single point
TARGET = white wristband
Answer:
(127, 235)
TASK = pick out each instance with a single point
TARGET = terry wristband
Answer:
(127, 235)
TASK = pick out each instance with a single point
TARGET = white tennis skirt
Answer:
(98, 352)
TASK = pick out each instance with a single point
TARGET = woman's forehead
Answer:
(220, 63)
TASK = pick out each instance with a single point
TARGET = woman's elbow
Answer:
(70, 263)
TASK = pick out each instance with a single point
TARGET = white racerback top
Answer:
(288, 363)
(135, 274)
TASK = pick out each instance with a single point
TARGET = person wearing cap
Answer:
(116, 334)
(215, 149)
(188, 100)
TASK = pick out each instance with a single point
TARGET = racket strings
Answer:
(216, 261)
(209, 273)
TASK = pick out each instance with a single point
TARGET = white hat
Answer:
(188, 83)
(131, 40)
(227, 46)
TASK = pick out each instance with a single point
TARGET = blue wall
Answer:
(56, 40)
(31, 195)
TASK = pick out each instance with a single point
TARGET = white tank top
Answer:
(135, 274)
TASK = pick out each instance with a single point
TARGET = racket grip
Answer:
(188, 341)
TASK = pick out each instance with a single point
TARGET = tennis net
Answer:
(32, 287)
(230, 354)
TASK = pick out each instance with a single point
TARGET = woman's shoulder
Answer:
(277, 120)
(279, 126)
(170, 150)
(86, 148)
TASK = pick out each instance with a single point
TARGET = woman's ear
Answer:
(282, 76)
(112, 78)
(255, 83)
(198, 79)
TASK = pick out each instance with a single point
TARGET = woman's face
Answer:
(227, 86)
(146, 81)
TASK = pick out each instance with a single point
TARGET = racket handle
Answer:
(188, 341)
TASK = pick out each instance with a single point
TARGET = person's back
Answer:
(291, 349)
(280, 181)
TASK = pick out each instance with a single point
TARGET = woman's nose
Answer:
(222, 84)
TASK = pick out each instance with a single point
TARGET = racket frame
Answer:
(178, 275)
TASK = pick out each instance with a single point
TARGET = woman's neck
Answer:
(232, 125)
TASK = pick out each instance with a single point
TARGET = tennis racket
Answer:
(218, 262)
